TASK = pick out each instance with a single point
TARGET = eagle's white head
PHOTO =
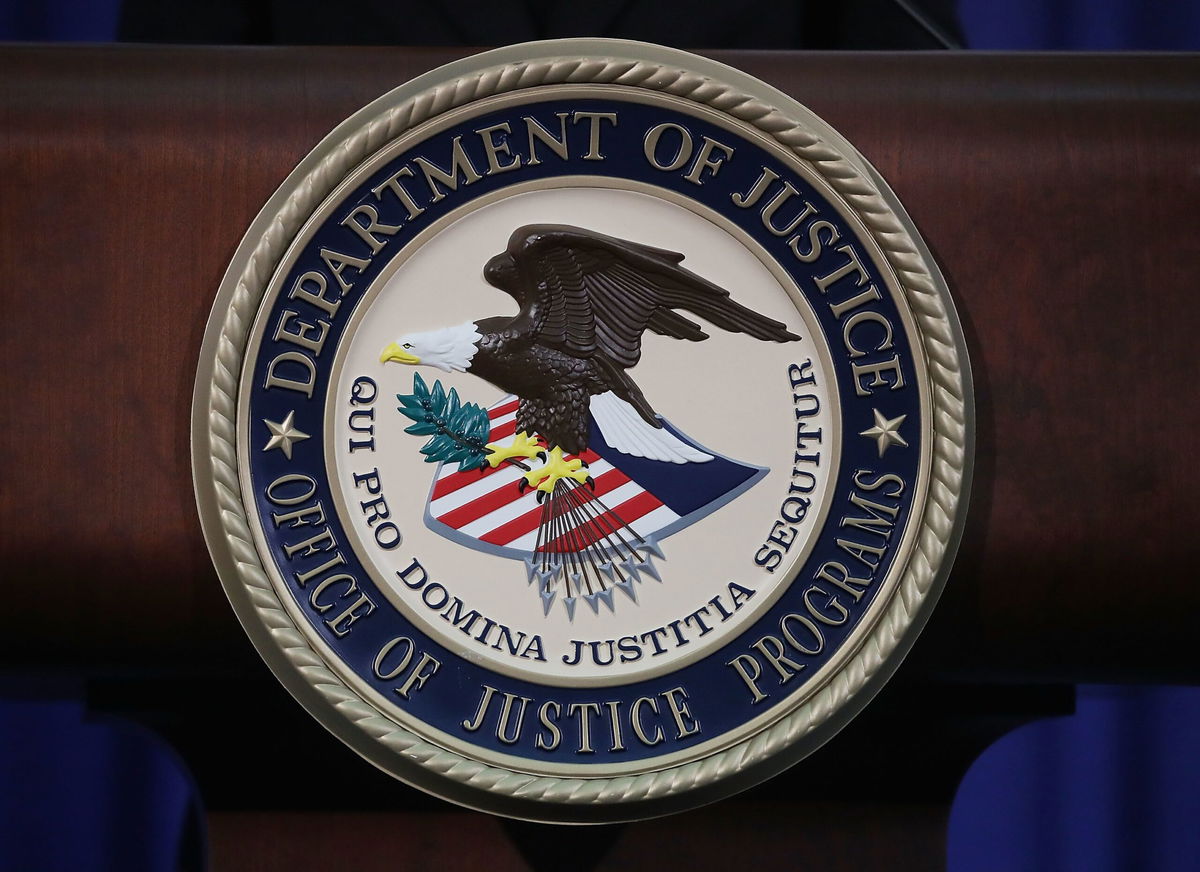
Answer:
(450, 348)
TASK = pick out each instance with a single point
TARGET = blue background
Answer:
(1008, 25)
(1114, 787)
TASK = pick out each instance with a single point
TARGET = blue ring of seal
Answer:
(716, 697)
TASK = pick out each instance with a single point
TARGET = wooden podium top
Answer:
(1059, 194)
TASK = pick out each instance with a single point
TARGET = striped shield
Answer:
(485, 509)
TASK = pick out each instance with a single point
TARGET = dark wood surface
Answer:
(1060, 195)
(849, 837)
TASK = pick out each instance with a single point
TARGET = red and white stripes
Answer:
(487, 505)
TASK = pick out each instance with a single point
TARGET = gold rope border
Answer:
(950, 434)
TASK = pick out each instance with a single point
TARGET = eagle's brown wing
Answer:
(598, 294)
(593, 296)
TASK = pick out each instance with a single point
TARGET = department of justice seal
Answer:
(582, 431)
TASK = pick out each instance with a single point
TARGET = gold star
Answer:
(885, 432)
(284, 435)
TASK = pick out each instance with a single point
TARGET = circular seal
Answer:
(582, 431)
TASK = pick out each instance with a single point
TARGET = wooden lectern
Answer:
(1058, 193)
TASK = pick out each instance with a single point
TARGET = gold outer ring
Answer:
(303, 671)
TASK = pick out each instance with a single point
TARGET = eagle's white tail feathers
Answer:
(625, 430)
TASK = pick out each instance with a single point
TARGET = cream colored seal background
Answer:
(799, 729)
(699, 560)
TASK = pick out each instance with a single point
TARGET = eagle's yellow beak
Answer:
(398, 354)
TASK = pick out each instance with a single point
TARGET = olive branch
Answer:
(459, 430)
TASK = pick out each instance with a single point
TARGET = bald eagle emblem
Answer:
(574, 472)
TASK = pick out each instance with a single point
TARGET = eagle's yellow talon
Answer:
(554, 470)
(523, 445)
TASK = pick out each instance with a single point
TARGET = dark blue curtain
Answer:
(1081, 25)
(1115, 788)
(85, 794)
(59, 20)
(1049, 25)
